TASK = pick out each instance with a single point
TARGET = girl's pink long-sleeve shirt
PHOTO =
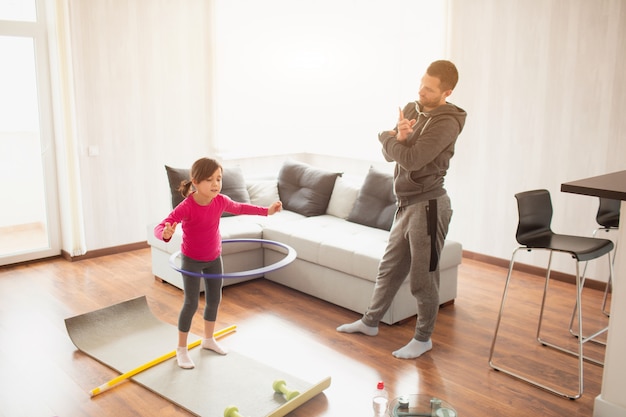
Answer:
(202, 240)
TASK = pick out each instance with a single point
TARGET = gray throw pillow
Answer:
(175, 176)
(376, 203)
(304, 189)
(233, 184)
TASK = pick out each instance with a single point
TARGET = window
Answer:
(18, 10)
(28, 197)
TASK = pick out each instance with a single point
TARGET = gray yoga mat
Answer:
(125, 336)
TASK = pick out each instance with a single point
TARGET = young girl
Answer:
(201, 248)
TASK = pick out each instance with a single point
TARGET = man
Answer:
(421, 146)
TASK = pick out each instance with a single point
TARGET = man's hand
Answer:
(405, 127)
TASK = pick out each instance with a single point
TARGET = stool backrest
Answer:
(608, 212)
(535, 217)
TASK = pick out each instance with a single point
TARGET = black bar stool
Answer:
(534, 233)
(607, 218)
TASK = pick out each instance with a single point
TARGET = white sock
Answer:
(414, 349)
(211, 344)
(358, 327)
(183, 359)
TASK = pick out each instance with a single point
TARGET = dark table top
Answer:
(611, 186)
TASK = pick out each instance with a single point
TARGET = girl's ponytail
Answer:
(185, 188)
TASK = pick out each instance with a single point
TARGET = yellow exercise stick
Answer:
(108, 385)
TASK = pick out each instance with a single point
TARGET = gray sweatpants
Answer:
(191, 287)
(409, 254)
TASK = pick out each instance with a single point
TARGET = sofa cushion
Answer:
(343, 246)
(233, 184)
(304, 189)
(263, 192)
(343, 197)
(376, 203)
(333, 242)
(240, 227)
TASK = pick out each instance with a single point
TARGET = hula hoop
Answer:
(290, 257)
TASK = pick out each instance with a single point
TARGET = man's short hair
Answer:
(446, 72)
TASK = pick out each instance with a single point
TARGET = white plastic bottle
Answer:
(380, 400)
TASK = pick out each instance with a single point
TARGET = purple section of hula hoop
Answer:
(291, 255)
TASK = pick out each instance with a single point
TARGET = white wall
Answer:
(318, 76)
(542, 82)
(143, 99)
(544, 85)
(158, 82)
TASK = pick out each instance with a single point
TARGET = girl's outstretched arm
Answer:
(275, 207)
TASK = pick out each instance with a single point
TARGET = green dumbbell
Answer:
(232, 411)
(281, 388)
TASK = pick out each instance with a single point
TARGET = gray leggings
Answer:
(191, 286)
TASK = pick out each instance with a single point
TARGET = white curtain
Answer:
(68, 170)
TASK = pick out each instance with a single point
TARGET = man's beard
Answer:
(431, 103)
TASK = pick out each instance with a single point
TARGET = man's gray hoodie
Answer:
(423, 159)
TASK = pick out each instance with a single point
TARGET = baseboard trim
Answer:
(106, 251)
(534, 270)
(491, 260)
(604, 408)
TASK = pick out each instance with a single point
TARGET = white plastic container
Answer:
(380, 400)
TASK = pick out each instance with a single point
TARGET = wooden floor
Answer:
(44, 375)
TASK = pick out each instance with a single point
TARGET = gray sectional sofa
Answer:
(337, 225)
